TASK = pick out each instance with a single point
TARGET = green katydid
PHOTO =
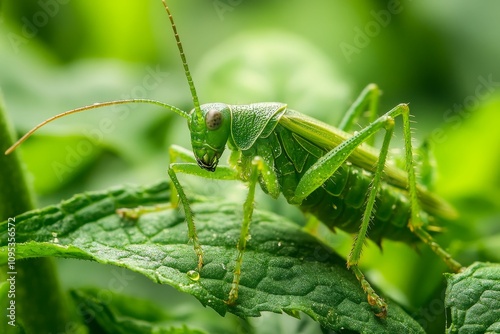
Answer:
(324, 170)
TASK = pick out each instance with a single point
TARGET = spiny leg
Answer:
(324, 168)
(268, 177)
(259, 166)
(375, 185)
(370, 96)
(245, 227)
(373, 298)
(416, 225)
(355, 255)
(178, 153)
(192, 168)
(328, 164)
(189, 217)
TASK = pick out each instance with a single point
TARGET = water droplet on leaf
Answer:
(193, 275)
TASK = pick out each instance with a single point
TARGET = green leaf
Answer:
(474, 299)
(123, 314)
(284, 269)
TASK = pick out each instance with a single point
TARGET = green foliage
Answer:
(430, 54)
(474, 299)
(123, 314)
(285, 269)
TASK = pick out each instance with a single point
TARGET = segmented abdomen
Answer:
(340, 202)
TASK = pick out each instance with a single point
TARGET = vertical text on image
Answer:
(11, 273)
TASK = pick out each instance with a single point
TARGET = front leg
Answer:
(189, 216)
(187, 166)
(222, 173)
(258, 167)
(178, 153)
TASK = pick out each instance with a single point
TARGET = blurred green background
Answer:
(441, 57)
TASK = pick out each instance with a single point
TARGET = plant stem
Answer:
(40, 304)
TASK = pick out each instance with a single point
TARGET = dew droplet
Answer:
(193, 275)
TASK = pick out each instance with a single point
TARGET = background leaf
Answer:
(123, 314)
(474, 299)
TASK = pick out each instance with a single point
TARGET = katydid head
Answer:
(209, 133)
(209, 124)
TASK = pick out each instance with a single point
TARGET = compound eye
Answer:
(213, 119)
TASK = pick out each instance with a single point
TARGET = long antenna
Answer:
(94, 106)
(111, 103)
(184, 62)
